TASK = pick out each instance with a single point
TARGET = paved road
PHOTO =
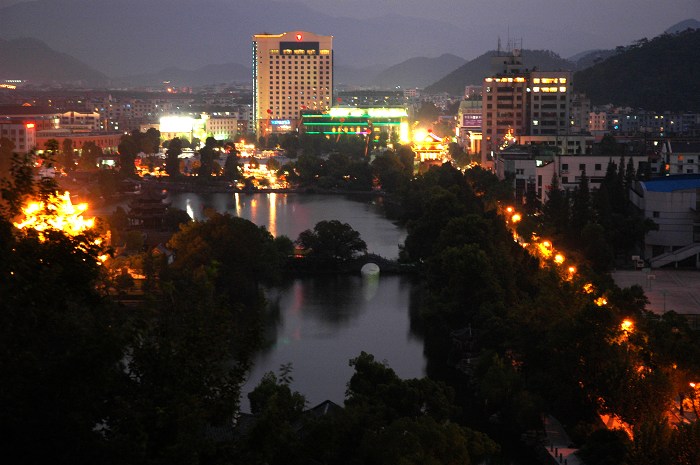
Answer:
(666, 289)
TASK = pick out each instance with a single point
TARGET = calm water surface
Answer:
(290, 214)
(320, 323)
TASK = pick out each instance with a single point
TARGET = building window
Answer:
(598, 167)
(582, 167)
(565, 180)
(655, 214)
(565, 166)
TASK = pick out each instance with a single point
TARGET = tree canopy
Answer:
(332, 241)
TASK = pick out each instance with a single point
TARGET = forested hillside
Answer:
(657, 74)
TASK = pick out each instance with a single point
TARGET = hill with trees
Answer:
(474, 71)
(657, 74)
(32, 60)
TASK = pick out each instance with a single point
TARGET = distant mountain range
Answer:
(32, 59)
(133, 37)
(206, 75)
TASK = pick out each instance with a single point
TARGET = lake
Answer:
(319, 323)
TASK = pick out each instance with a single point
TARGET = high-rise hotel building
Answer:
(292, 72)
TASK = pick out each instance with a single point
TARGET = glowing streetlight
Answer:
(515, 218)
(558, 259)
(627, 325)
(572, 269)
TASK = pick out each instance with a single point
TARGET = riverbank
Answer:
(216, 186)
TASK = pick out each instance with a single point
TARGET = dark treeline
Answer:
(517, 337)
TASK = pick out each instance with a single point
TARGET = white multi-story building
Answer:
(681, 157)
(221, 127)
(534, 167)
(21, 133)
(292, 71)
(76, 120)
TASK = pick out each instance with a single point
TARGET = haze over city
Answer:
(367, 33)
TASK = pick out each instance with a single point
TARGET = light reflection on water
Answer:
(290, 214)
(323, 322)
(320, 323)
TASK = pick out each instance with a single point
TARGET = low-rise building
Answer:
(672, 202)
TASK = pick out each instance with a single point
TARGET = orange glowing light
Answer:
(558, 259)
(545, 249)
(515, 218)
(509, 209)
(57, 213)
(299, 37)
(600, 301)
(627, 325)
(588, 288)
(572, 269)
(30, 125)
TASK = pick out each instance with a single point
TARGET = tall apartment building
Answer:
(292, 71)
(518, 102)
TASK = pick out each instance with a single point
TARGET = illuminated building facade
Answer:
(550, 103)
(429, 147)
(469, 123)
(292, 71)
(107, 141)
(78, 121)
(221, 127)
(358, 121)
